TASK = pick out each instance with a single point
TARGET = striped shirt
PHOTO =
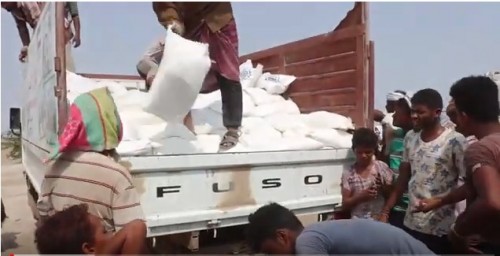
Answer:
(396, 148)
(92, 178)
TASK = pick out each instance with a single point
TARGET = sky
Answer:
(417, 45)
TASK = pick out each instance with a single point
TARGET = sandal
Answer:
(229, 140)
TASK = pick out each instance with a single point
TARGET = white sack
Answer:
(207, 121)
(138, 117)
(248, 105)
(206, 100)
(300, 143)
(327, 120)
(261, 97)
(179, 79)
(176, 130)
(286, 122)
(135, 148)
(254, 144)
(115, 88)
(280, 107)
(332, 138)
(76, 85)
(132, 100)
(251, 123)
(176, 146)
(259, 127)
(151, 131)
(208, 143)
(296, 133)
(130, 131)
(275, 84)
(249, 75)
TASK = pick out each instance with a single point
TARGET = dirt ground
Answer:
(18, 228)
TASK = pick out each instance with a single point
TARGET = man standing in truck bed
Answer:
(212, 23)
(29, 13)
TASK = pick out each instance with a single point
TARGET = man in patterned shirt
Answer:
(477, 111)
(431, 165)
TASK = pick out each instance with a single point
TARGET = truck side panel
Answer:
(44, 106)
(332, 69)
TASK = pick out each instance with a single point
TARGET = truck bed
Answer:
(195, 192)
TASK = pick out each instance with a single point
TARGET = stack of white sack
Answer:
(270, 122)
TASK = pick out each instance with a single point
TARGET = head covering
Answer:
(395, 95)
(407, 97)
(94, 124)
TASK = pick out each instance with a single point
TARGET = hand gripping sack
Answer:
(180, 76)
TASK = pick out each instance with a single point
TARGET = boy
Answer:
(75, 231)
(431, 165)
(273, 229)
(365, 185)
(401, 119)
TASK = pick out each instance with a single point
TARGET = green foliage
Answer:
(12, 144)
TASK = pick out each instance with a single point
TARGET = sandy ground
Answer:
(18, 228)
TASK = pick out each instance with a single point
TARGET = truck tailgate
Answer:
(195, 192)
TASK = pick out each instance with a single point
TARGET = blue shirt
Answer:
(357, 236)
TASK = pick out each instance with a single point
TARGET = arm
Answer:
(481, 160)
(401, 184)
(148, 65)
(129, 240)
(455, 196)
(399, 188)
(386, 176)
(349, 200)
(24, 33)
(75, 15)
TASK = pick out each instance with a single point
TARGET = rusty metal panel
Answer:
(333, 70)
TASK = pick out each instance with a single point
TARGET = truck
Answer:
(192, 193)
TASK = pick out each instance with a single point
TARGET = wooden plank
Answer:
(324, 65)
(324, 49)
(326, 98)
(332, 80)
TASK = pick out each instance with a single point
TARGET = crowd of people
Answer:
(406, 198)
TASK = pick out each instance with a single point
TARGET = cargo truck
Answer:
(190, 193)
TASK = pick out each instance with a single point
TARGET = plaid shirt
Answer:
(356, 184)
